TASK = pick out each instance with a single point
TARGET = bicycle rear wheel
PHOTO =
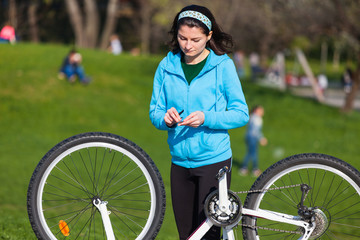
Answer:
(93, 166)
(335, 192)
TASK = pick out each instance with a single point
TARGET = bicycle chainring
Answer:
(219, 218)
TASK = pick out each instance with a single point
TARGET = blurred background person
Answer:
(72, 68)
(347, 79)
(239, 60)
(7, 34)
(254, 60)
(115, 45)
(253, 137)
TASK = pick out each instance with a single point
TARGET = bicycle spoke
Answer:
(87, 171)
(74, 177)
(320, 186)
(108, 173)
(100, 170)
(116, 173)
(62, 190)
(72, 218)
(59, 206)
(77, 170)
(121, 179)
(72, 185)
(63, 198)
(124, 222)
(114, 196)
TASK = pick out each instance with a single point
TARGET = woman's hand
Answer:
(172, 117)
(195, 119)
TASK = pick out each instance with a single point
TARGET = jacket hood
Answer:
(172, 61)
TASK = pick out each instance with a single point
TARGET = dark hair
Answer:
(255, 107)
(73, 50)
(220, 41)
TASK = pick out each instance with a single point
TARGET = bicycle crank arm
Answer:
(223, 191)
(101, 206)
(281, 217)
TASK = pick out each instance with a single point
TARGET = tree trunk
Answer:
(34, 32)
(350, 98)
(92, 23)
(145, 28)
(232, 11)
(110, 23)
(12, 14)
(76, 20)
(336, 57)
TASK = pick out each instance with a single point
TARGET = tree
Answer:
(76, 19)
(145, 28)
(85, 22)
(34, 31)
(13, 13)
(91, 23)
(110, 22)
(347, 15)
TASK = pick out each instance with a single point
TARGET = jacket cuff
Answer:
(210, 119)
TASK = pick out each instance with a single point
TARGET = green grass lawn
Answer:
(37, 110)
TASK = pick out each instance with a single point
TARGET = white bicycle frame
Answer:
(228, 233)
(224, 206)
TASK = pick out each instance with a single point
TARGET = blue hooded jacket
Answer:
(216, 91)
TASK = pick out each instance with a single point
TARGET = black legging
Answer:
(189, 189)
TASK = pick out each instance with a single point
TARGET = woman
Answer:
(197, 97)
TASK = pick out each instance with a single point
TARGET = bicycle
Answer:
(103, 186)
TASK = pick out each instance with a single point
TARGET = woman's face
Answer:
(192, 41)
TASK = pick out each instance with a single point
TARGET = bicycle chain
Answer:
(270, 229)
(269, 189)
(265, 190)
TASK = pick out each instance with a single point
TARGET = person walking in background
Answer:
(239, 60)
(115, 45)
(196, 98)
(253, 136)
(347, 79)
(72, 68)
(254, 60)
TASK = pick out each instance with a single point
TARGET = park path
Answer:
(333, 96)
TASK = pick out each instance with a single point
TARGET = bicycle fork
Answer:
(101, 206)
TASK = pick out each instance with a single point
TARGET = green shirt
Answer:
(192, 70)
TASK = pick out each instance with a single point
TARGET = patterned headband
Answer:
(197, 15)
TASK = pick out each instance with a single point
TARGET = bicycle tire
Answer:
(96, 165)
(335, 191)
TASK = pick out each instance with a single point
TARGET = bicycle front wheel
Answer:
(96, 167)
(334, 198)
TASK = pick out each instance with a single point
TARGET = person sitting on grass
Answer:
(72, 68)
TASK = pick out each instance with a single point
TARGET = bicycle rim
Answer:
(335, 192)
(96, 170)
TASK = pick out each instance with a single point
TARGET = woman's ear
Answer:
(209, 36)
